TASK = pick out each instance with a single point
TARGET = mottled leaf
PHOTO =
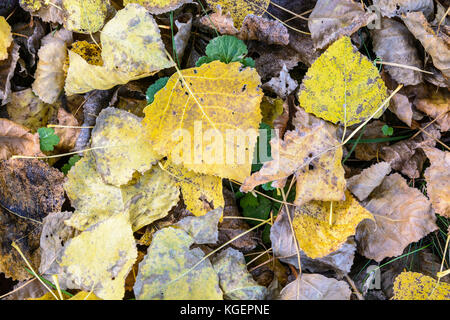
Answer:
(416, 286)
(316, 287)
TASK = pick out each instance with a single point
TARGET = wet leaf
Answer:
(163, 274)
(416, 286)
(239, 9)
(203, 229)
(402, 215)
(6, 38)
(158, 6)
(316, 287)
(234, 279)
(342, 85)
(17, 140)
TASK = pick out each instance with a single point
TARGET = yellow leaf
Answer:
(271, 109)
(86, 16)
(101, 257)
(314, 233)
(5, 38)
(219, 107)
(158, 6)
(147, 200)
(51, 296)
(163, 274)
(416, 286)
(239, 9)
(83, 295)
(201, 193)
(90, 52)
(342, 85)
(120, 146)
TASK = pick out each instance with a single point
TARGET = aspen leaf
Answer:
(101, 257)
(438, 180)
(239, 9)
(163, 274)
(158, 6)
(86, 16)
(120, 146)
(5, 38)
(417, 286)
(234, 278)
(342, 85)
(314, 233)
(201, 193)
(202, 229)
(220, 98)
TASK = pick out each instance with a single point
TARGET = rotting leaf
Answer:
(6, 38)
(317, 235)
(436, 105)
(438, 180)
(16, 139)
(220, 97)
(234, 279)
(165, 273)
(395, 8)
(363, 184)
(158, 6)
(67, 136)
(283, 85)
(416, 286)
(86, 16)
(203, 229)
(342, 86)
(402, 215)
(239, 9)
(90, 266)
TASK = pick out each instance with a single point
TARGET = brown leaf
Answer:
(67, 136)
(394, 43)
(402, 215)
(363, 184)
(332, 19)
(369, 151)
(396, 8)
(436, 104)
(7, 67)
(402, 108)
(17, 140)
(437, 46)
(283, 85)
(316, 287)
(438, 180)
(29, 190)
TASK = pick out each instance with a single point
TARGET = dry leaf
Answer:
(262, 29)
(316, 287)
(158, 6)
(416, 286)
(203, 229)
(181, 39)
(5, 38)
(332, 19)
(342, 86)
(435, 105)
(393, 42)
(438, 182)
(85, 16)
(239, 9)
(402, 108)
(316, 235)
(47, 10)
(402, 215)
(67, 136)
(396, 8)
(7, 68)
(283, 85)
(17, 140)
(363, 184)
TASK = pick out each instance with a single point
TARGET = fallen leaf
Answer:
(181, 39)
(239, 9)
(121, 146)
(416, 286)
(67, 136)
(438, 182)
(402, 215)
(342, 86)
(165, 273)
(283, 85)
(393, 43)
(396, 8)
(17, 140)
(316, 235)
(201, 193)
(435, 45)
(85, 17)
(435, 105)
(6, 38)
(262, 29)
(271, 109)
(158, 6)
(402, 108)
(234, 279)
(203, 229)
(332, 19)
(90, 52)
(7, 68)
(361, 185)
(369, 151)
(29, 190)
(87, 264)
(220, 94)
(316, 287)
(223, 23)
(47, 10)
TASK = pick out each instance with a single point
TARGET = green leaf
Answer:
(154, 88)
(226, 49)
(47, 139)
(260, 211)
(387, 131)
(72, 160)
(249, 201)
(257, 164)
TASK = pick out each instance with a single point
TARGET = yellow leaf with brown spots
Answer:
(5, 38)
(158, 6)
(239, 9)
(314, 233)
(417, 286)
(86, 16)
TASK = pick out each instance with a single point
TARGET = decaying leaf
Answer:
(402, 215)
(29, 190)
(214, 101)
(262, 29)
(201, 193)
(416, 286)
(47, 10)
(26, 109)
(203, 229)
(323, 227)
(316, 287)
(361, 185)
(342, 86)
(7, 68)
(67, 136)
(394, 43)
(402, 108)
(165, 272)
(283, 85)
(158, 6)
(121, 146)
(239, 9)
(438, 180)
(100, 258)
(17, 140)
(5, 38)
(396, 8)
(436, 105)
(332, 19)
(85, 16)
(234, 279)
(438, 47)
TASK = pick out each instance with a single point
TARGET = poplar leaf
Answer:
(417, 286)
